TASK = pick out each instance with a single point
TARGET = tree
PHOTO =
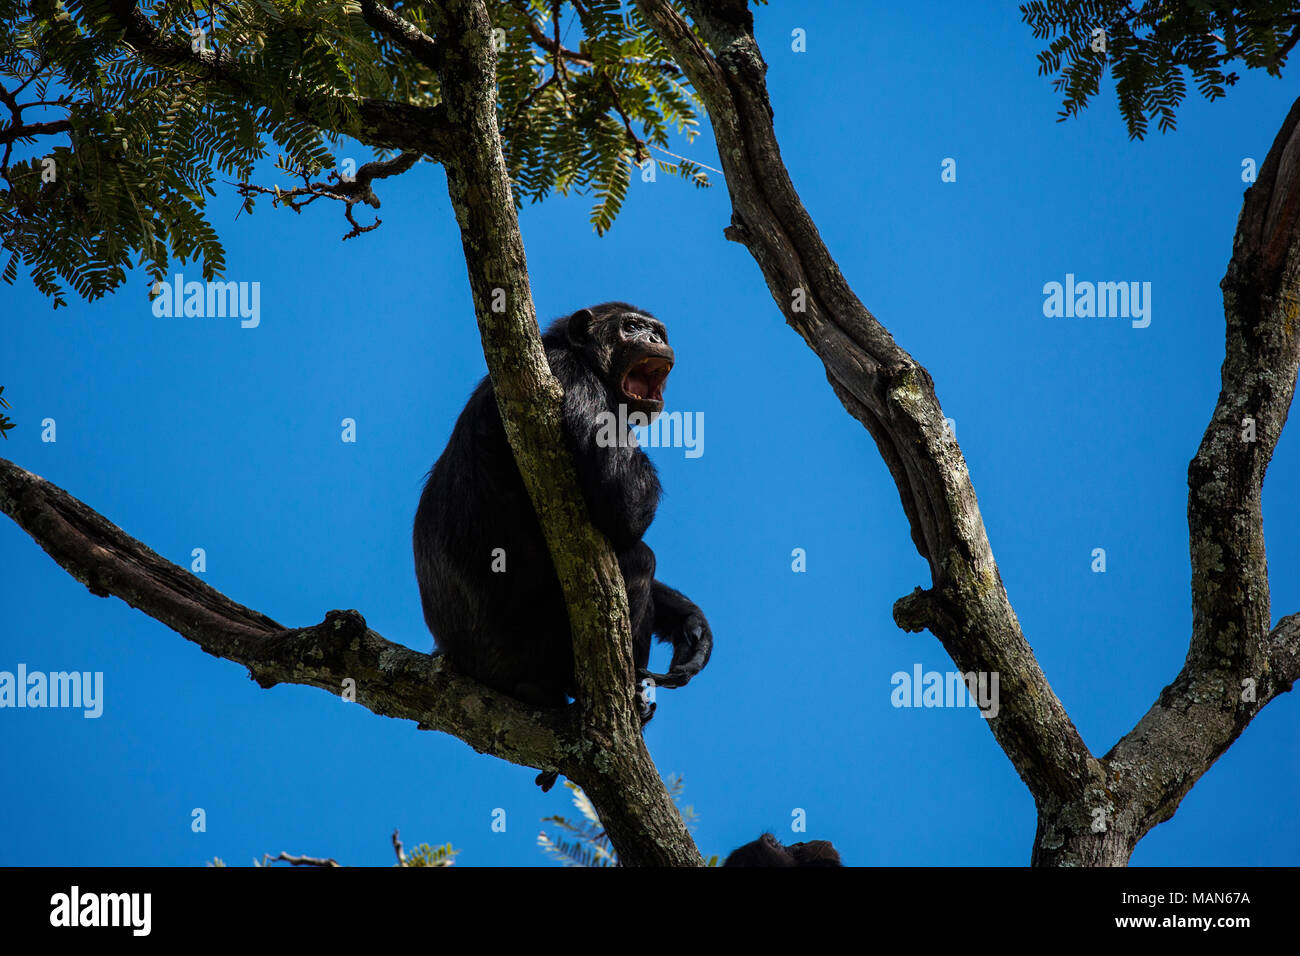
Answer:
(451, 118)
(1236, 663)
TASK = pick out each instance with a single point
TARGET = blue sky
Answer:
(197, 433)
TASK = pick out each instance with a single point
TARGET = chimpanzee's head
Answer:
(767, 850)
(628, 348)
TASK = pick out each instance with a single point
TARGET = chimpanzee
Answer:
(768, 851)
(490, 592)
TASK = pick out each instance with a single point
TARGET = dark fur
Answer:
(768, 851)
(511, 630)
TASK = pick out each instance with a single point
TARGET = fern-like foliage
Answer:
(620, 96)
(1149, 44)
(112, 148)
(587, 843)
(425, 855)
(5, 422)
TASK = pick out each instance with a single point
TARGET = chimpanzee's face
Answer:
(640, 362)
(630, 352)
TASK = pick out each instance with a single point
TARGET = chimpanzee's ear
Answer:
(579, 328)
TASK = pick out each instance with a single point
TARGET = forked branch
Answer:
(1090, 811)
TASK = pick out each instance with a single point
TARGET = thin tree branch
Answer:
(17, 129)
(1285, 49)
(300, 860)
(551, 46)
(687, 159)
(402, 32)
(349, 191)
(522, 106)
(37, 68)
(557, 60)
(638, 143)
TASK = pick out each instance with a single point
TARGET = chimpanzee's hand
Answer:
(692, 645)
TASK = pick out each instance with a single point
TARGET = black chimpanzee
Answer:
(490, 593)
(768, 851)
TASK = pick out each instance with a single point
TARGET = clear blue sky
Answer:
(197, 433)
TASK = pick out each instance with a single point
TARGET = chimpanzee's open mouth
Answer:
(645, 380)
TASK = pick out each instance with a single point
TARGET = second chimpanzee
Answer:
(768, 851)
(490, 592)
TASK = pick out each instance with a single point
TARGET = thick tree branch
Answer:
(383, 123)
(884, 388)
(340, 655)
(617, 773)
